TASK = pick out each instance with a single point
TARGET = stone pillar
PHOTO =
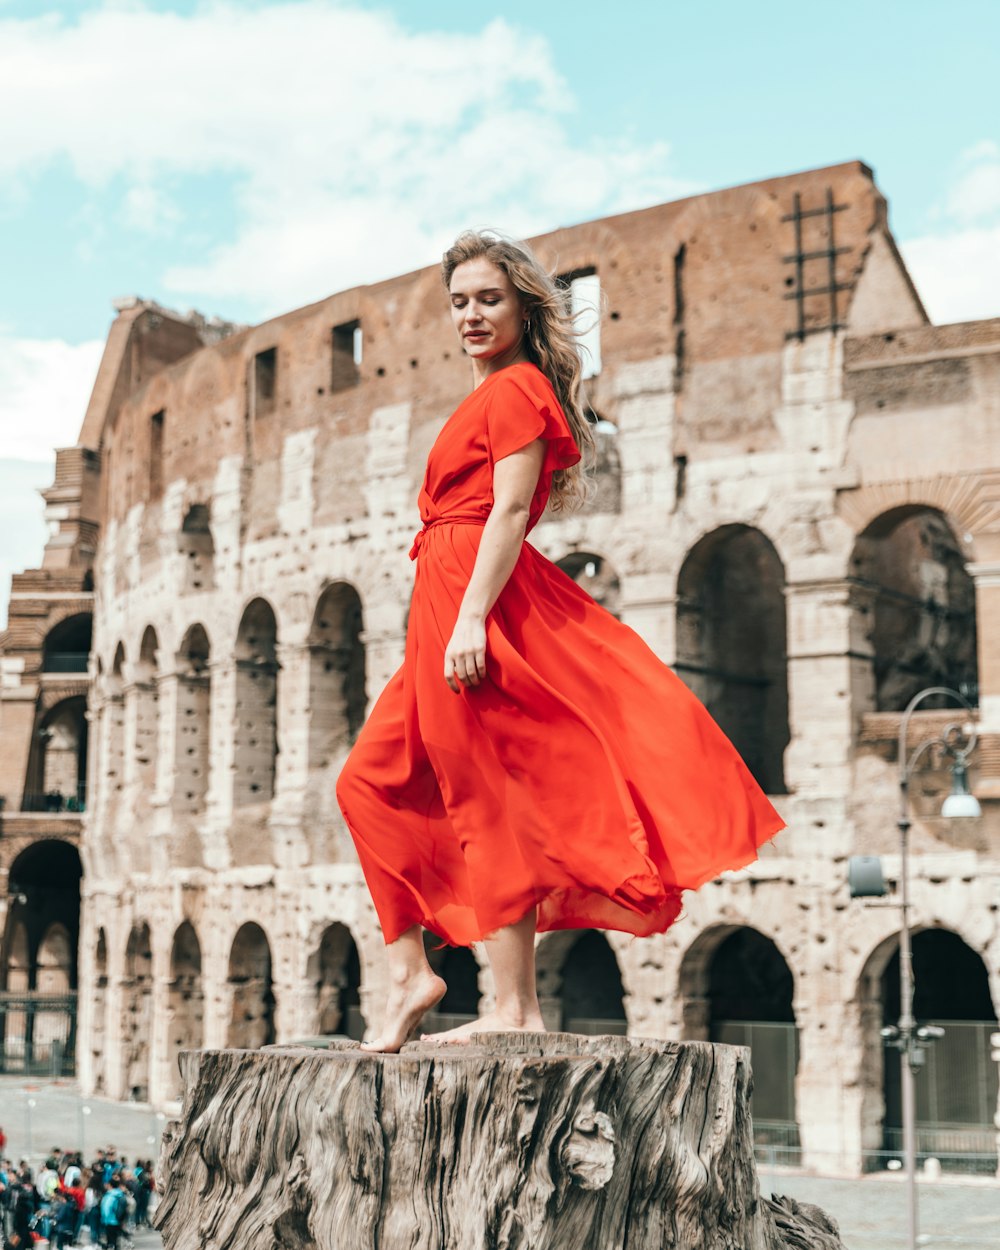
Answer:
(114, 1065)
(219, 800)
(818, 768)
(384, 650)
(215, 986)
(820, 1106)
(986, 576)
(159, 1042)
(86, 980)
(166, 774)
(651, 611)
(291, 849)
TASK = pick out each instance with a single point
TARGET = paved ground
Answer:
(954, 1214)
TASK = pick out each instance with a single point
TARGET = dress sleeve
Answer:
(522, 408)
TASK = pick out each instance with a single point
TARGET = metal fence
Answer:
(956, 1102)
(774, 1049)
(55, 801)
(38, 1034)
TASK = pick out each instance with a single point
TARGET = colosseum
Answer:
(798, 508)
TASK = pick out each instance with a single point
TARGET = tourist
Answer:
(114, 1210)
(64, 1233)
(532, 765)
(92, 1202)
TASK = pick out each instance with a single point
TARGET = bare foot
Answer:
(406, 1006)
(493, 1022)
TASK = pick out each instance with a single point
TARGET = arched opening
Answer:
(597, 577)
(196, 545)
(337, 698)
(335, 971)
(251, 1021)
(737, 988)
(38, 975)
(590, 987)
(185, 1002)
(731, 644)
(67, 645)
(58, 768)
(256, 745)
(459, 969)
(957, 1088)
(99, 1027)
(137, 1023)
(192, 737)
(915, 610)
(146, 717)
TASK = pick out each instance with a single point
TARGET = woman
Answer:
(532, 765)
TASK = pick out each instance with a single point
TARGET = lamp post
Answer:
(907, 1038)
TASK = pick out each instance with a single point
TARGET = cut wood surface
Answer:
(519, 1141)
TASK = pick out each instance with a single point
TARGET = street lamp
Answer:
(910, 1040)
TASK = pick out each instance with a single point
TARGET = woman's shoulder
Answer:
(525, 377)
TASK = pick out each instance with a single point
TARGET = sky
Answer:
(246, 158)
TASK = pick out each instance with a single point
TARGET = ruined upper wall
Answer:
(719, 280)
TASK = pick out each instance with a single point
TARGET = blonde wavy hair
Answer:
(550, 342)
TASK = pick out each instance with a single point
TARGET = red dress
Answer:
(581, 775)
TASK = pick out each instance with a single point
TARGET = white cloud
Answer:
(956, 267)
(357, 148)
(22, 520)
(45, 385)
(957, 274)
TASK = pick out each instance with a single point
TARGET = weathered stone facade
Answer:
(798, 506)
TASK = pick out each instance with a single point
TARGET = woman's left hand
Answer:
(465, 654)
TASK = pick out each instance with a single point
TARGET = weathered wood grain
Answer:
(540, 1141)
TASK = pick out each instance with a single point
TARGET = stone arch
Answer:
(137, 1022)
(193, 729)
(256, 746)
(251, 1021)
(580, 982)
(957, 1088)
(596, 575)
(66, 648)
(914, 609)
(98, 1029)
(57, 769)
(185, 1002)
(197, 547)
(737, 987)
(337, 697)
(969, 502)
(334, 970)
(731, 643)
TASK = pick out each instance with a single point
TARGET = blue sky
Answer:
(244, 158)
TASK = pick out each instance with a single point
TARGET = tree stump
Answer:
(519, 1141)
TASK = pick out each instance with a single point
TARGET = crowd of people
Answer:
(65, 1199)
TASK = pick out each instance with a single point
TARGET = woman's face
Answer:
(488, 314)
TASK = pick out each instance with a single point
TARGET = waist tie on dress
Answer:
(456, 518)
